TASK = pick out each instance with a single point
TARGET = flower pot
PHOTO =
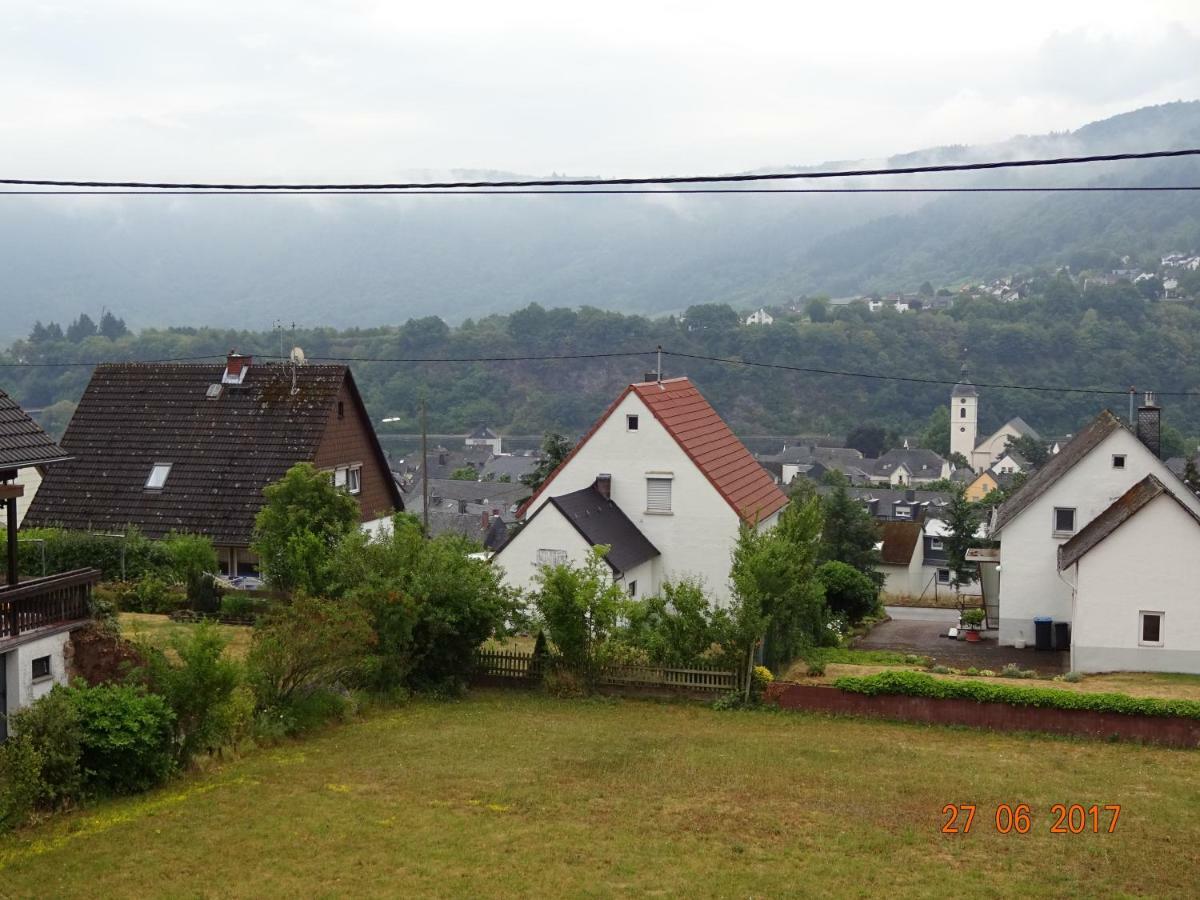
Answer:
(972, 636)
(1019, 644)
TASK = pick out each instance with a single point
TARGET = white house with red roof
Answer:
(662, 481)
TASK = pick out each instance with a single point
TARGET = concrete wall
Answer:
(1119, 579)
(698, 536)
(21, 687)
(1029, 579)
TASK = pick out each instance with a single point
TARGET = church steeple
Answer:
(964, 415)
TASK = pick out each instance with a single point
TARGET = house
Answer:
(762, 317)
(964, 428)
(1135, 617)
(1072, 489)
(508, 468)
(914, 561)
(1011, 463)
(909, 467)
(982, 485)
(189, 448)
(37, 615)
(662, 481)
(886, 504)
(484, 437)
(466, 507)
(813, 461)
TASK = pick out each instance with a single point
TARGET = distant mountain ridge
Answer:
(245, 262)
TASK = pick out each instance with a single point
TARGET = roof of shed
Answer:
(22, 441)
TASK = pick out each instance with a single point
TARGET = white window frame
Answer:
(668, 478)
(157, 484)
(339, 476)
(1162, 619)
(937, 544)
(940, 573)
(1074, 520)
(632, 422)
(551, 557)
(633, 588)
(1118, 461)
(903, 512)
(354, 479)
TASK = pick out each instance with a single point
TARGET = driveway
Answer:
(923, 631)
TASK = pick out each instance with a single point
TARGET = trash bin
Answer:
(1062, 635)
(1042, 632)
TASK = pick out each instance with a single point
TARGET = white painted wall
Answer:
(549, 530)
(1120, 577)
(696, 539)
(30, 479)
(1029, 578)
(964, 425)
(992, 448)
(22, 690)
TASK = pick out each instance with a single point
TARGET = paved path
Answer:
(923, 631)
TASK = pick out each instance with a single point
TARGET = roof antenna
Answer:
(295, 389)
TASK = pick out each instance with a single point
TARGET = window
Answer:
(936, 544)
(158, 476)
(1118, 460)
(631, 423)
(903, 512)
(340, 474)
(962, 412)
(41, 667)
(354, 479)
(1064, 520)
(633, 588)
(943, 576)
(658, 494)
(552, 557)
(1150, 634)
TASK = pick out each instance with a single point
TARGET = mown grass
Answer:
(509, 794)
(159, 630)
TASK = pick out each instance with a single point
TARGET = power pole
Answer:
(424, 472)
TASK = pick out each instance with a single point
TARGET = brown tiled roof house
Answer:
(189, 448)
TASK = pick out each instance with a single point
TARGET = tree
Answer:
(962, 521)
(778, 599)
(111, 327)
(848, 591)
(849, 534)
(817, 309)
(677, 627)
(711, 317)
(959, 461)
(1191, 476)
(1173, 443)
(1029, 447)
(936, 436)
(555, 448)
(926, 289)
(299, 527)
(81, 328)
(580, 606)
(869, 440)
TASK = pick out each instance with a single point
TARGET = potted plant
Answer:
(971, 621)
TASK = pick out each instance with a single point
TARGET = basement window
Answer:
(41, 667)
(631, 423)
(1150, 633)
(1118, 460)
(1064, 520)
(158, 476)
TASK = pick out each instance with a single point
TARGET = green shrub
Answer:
(190, 555)
(971, 617)
(816, 668)
(198, 688)
(848, 591)
(939, 670)
(1012, 670)
(149, 594)
(66, 550)
(580, 606)
(918, 684)
(680, 627)
(987, 673)
(126, 739)
(1073, 677)
(21, 782)
(971, 671)
(204, 595)
(52, 727)
(241, 604)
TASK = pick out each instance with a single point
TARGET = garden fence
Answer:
(522, 666)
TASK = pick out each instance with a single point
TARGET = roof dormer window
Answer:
(157, 479)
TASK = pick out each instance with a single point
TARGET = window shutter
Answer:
(658, 494)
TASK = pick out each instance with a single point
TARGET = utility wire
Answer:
(591, 182)
(519, 192)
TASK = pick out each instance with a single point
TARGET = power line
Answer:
(593, 182)
(109, 362)
(518, 192)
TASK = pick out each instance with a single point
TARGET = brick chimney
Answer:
(604, 486)
(1149, 424)
(236, 366)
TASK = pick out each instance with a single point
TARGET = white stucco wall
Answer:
(546, 531)
(992, 447)
(696, 539)
(1119, 578)
(1029, 579)
(21, 688)
(963, 429)
(30, 479)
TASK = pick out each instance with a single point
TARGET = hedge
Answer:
(918, 684)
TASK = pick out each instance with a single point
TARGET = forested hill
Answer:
(1106, 337)
(364, 261)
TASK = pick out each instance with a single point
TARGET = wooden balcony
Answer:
(43, 604)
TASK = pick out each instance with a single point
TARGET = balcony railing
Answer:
(42, 603)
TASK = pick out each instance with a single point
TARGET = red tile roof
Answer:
(708, 442)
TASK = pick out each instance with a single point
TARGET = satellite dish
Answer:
(297, 356)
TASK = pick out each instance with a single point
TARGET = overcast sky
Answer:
(212, 89)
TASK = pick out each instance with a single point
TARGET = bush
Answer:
(21, 782)
(191, 556)
(126, 740)
(52, 727)
(149, 594)
(1073, 677)
(1012, 670)
(579, 606)
(680, 627)
(67, 550)
(917, 684)
(848, 591)
(972, 617)
(308, 644)
(816, 668)
(198, 688)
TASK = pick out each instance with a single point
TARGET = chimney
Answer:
(604, 486)
(1149, 424)
(650, 376)
(910, 495)
(235, 367)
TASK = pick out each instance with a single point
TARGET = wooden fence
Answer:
(521, 666)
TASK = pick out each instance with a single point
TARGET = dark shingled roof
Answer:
(22, 441)
(1121, 511)
(600, 521)
(222, 451)
(899, 541)
(1056, 467)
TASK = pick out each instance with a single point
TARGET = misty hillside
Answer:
(351, 261)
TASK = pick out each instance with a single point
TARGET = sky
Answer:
(341, 90)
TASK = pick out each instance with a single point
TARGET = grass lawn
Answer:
(159, 629)
(508, 794)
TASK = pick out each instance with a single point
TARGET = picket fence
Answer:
(517, 665)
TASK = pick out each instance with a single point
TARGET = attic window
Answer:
(158, 476)
(1064, 520)
(631, 423)
(1118, 460)
(658, 494)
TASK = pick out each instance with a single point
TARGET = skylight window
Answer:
(158, 476)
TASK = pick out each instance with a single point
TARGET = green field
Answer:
(508, 794)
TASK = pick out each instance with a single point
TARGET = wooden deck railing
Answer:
(518, 665)
(46, 602)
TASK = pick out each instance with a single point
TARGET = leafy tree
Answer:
(817, 309)
(299, 527)
(555, 448)
(849, 534)
(848, 591)
(81, 328)
(959, 461)
(926, 289)
(962, 521)
(1191, 476)
(1029, 447)
(111, 327)
(464, 473)
(869, 440)
(579, 606)
(936, 436)
(1173, 443)
(711, 317)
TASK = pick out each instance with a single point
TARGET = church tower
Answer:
(964, 417)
